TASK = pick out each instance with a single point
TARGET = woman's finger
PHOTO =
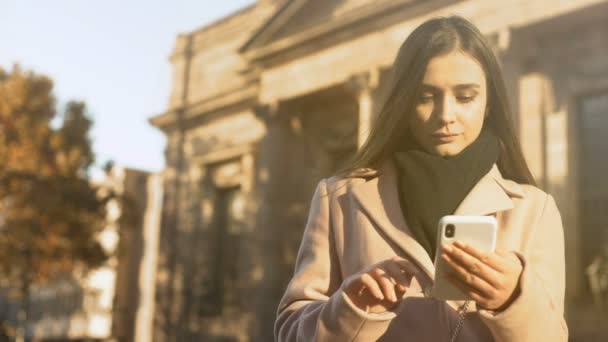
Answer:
(387, 284)
(494, 260)
(370, 283)
(472, 293)
(469, 278)
(398, 274)
(472, 265)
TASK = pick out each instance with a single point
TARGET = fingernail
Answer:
(461, 244)
(447, 248)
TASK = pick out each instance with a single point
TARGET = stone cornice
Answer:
(220, 23)
(275, 22)
(243, 20)
(223, 154)
(163, 120)
(241, 27)
(253, 53)
(248, 92)
(226, 99)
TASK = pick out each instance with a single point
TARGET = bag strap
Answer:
(461, 316)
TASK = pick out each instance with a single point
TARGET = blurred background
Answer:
(157, 159)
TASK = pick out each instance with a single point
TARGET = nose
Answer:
(446, 110)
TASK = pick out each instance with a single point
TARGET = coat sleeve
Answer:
(314, 307)
(542, 287)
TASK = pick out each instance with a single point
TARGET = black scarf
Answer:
(431, 186)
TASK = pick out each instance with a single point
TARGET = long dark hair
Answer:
(433, 38)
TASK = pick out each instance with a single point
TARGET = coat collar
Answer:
(379, 198)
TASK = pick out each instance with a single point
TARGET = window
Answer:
(227, 252)
(222, 236)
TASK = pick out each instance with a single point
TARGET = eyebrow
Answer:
(463, 86)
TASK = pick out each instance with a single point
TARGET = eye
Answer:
(425, 98)
(465, 99)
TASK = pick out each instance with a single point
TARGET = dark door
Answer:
(593, 109)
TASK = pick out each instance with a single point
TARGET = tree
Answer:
(50, 213)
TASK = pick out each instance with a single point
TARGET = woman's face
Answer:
(452, 104)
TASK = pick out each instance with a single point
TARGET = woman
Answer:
(442, 144)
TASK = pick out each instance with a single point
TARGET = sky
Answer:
(111, 54)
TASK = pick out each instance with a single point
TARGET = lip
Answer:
(445, 137)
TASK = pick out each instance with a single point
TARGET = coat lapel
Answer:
(490, 195)
(379, 199)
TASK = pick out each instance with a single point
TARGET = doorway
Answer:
(593, 181)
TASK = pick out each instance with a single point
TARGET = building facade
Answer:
(269, 100)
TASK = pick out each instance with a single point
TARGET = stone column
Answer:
(364, 87)
(507, 46)
(536, 102)
(283, 189)
(272, 178)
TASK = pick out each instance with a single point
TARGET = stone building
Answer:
(270, 99)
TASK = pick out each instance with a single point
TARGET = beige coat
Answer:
(356, 222)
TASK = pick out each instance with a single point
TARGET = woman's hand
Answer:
(490, 279)
(380, 287)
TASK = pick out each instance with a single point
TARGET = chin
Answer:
(448, 150)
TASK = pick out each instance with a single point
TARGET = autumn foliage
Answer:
(50, 213)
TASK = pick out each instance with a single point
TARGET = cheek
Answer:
(423, 112)
(473, 119)
(422, 115)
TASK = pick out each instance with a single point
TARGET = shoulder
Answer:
(536, 200)
(342, 183)
(533, 192)
(526, 197)
(526, 193)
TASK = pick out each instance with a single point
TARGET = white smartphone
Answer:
(477, 231)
